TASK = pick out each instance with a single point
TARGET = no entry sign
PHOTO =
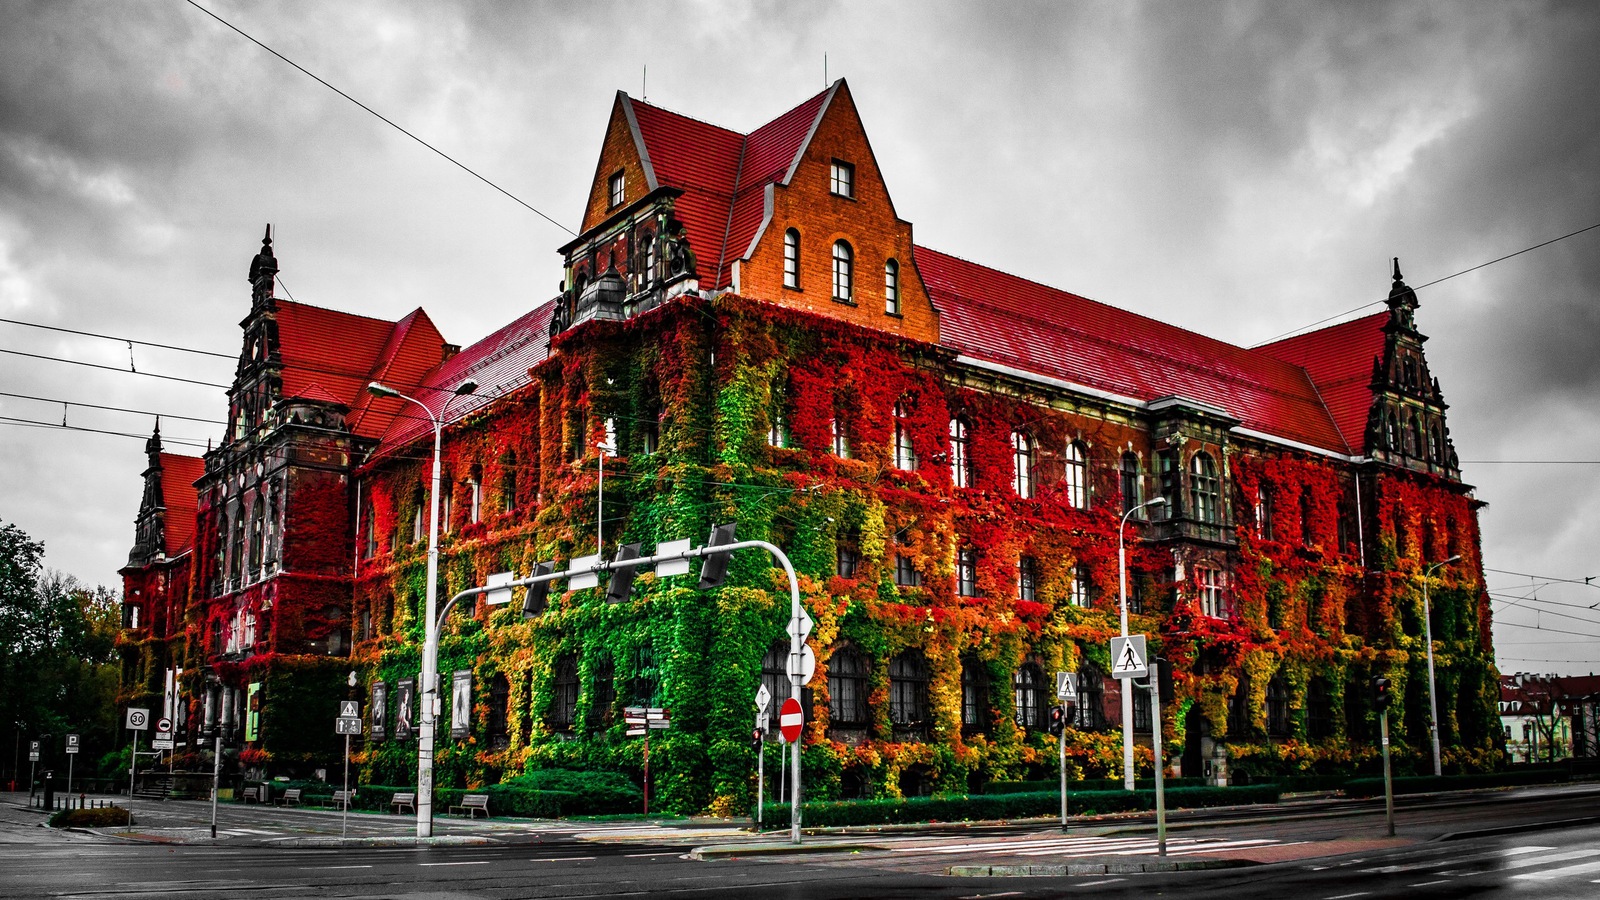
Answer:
(790, 719)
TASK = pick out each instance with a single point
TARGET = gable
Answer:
(623, 150)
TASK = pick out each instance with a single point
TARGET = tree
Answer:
(57, 651)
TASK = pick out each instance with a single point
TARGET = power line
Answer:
(1544, 629)
(1419, 287)
(119, 339)
(381, 117)
(141, 412)
(1587, 582)
(91, 365)
(32, 423)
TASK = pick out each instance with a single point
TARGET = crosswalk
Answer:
(1529, 863)
(1087, 846)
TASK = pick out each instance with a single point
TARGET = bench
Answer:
(251, 794)
(409, 801)
(340, 799)
(472, 804)
(291, 797)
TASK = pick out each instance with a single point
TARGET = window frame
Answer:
(847, 688)
(1022, 462)
(1080, 594)
(1075, 469)
(891, 287)
(791, 259)
(1212, 588)
(1027, 578)
(961, 474)
(909, 678)
(975, 706)
(905, 452)
(1030, 711)
(844, 268)
(1130, 481)
(616, 189)
(1205, 489)
(842, 175)
(967, 571)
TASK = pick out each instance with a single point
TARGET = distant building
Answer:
(944, 450)
(1546, 718)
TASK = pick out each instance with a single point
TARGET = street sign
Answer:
(808, 664)
(163, 741)
(1128, 659)
(164, 724)
(33, 751)
(347, 725)
(72, 743)
(669, 567)
(1066, 685)
(587, 579)
(763, 700)
(138, 719)
(349, 709)
(497, 593)
(790, 718)
(802, 625)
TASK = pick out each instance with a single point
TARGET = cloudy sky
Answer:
(1241, 169)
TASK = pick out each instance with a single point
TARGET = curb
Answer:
(1517, 829)
(1105, 868)
(733, 851)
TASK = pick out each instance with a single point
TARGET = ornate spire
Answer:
(263, 270)
(1402, 301)
(152, 447)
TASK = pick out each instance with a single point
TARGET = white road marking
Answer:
(661, 853)
(558, 858)
(1348, 896)
(1430, 883)
(319, 868)
(465, 862)
(1474, 857)
(1564, 871)
(1101, 881)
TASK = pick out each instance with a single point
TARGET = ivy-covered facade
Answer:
(748, 334)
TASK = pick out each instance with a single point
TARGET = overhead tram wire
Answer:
(121, 409)
(1304, 328)
(317, 78)
(32, 423)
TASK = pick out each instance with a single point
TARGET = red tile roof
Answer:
(178, 475)
(499, 363)
(1339, 359)
(1001, 318)
(723, 175)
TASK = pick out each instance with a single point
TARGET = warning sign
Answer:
(1128, 657)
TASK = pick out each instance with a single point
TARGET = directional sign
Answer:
(636, 732)
(1128, 657)
(498, 593)
(72, 743)
(587, 579)
(347, 725)
(138, 719)
(807, 664)
(163, 741)
(763, 700)
(802, 625)
(672, 566)
(349, 709)
(790, 718)
(1066, 685)
(163, 724)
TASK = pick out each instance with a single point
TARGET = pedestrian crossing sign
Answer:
(1128, 658)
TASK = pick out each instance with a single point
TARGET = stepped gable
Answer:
(178, 475)
(723, 174)
(1339, 360)
(499, 363)
(1001, 318)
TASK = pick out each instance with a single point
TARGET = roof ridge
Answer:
(670, 111)
(1294, 337)
(733, 199)
(295, 303)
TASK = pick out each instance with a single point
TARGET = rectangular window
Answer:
(841, 438)
(1080, 586)
(967, 572)
(791, 259)
(905, 573)
(1027, 578)
(1213, 593)
(616, 189)
(842, 179)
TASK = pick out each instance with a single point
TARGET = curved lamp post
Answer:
(1427, 624)
(1127, 690)
(430, 643)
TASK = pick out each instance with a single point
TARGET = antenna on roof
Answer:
(644, 81)
(824, 69)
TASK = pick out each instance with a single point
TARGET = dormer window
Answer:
(842, 180)
(616, 190)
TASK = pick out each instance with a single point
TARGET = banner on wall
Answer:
(252, 712)
(405, 689)
(378, 712)
(461, 703)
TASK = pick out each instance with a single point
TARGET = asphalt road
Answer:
(1337, 853)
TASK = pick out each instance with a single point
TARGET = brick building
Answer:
(946, 451)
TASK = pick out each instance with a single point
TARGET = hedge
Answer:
(104, 817)
(1010, 806)
(1422, 784)
(1087, 784)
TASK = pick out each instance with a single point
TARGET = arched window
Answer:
(508, 481)
(843, 272)
(1027, 687)
(369, 530)
(1418, 446)
(960, 453)
(237, 552)
(1239, 724)
(775, 675)
(908, 690)
(974, 696)
(1277, 707)
(1090, 714)
(1439, 454)
(891, 288)
(604, 698)
(1205, 489)
(847, 688)
(1130, 481)
(1077, 471)
(447, 495)
(1022, 464)
(564, 694)
(1391, 433)
(778, 414)
(499, 712)
(791, 259)
(258, 538)
(475, 494)
(905, 454)
(418, 515)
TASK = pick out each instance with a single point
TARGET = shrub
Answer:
(104, 817)
(594, 792)
(1421, 784)
(1010, 806)
(1087, 784)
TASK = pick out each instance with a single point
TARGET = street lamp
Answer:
(1122, 592)
(430, 643)
(1427, 623)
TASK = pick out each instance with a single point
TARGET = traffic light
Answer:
(539, 592)
(1381, 698)
(621, 586)
(1058, 720)
(714, 570)
(1164, 681)
(756, 737)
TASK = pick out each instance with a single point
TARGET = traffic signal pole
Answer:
(1388, 776)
